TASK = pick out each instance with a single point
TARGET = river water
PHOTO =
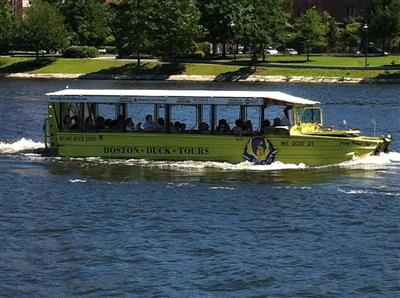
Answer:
(194, 229)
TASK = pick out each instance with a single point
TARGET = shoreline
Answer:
(201, 78)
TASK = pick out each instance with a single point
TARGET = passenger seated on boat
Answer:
(285, 120)
(89, 124)
(172, 127)
(100, 123)
(117, 124)
(139, 126)
(178, 127)
(67, 123)
(248, 127)
(130, 126)
(223, 126)
(114, 125)
(266, 123)
(75, 123)
(149, 125)
(182, 127)
(121, 121)
(160, 124)
(277, 122)
(238, 129)
(203, 127)
(107, 123)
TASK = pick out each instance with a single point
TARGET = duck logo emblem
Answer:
(259, 151)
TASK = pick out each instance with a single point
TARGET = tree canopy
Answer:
(43, 28)
(220, 19)
(351, 34)
(7, 25)
(177, 28)
(139, 25)
(311, 31)
(132, 26)
(88, 21)
(383, 19)
(171, 28)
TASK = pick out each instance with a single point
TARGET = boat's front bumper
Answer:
(383, 145)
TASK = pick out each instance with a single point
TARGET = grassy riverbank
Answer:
(327, 60)
(128, 67)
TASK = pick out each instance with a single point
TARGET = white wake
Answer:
(193, 165)
(374, 161)
(20, 146)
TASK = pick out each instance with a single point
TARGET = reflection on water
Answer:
(193, 171)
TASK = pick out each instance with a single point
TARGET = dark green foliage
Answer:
(164, 28)
(132, 26)
(176, 29)
(311, 31)
(352, 35)
(8, 24)
(88, 20)
(333, 32)
(81, 52)
(43, 28)
(383, 19)
(203, 49)
(260, 24)
(220, 19)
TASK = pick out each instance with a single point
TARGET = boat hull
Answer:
(309, 150)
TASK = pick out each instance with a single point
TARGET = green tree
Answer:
(7, 26)
(284, 30)
(352, 34)
(88, 20)
(133, 26)
(220, 18)
(176, 28)
(334, 32)
(261, 22)
(43, 28)
(311, 31)
(383, 19)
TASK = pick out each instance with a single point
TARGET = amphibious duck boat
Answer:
(231, 126)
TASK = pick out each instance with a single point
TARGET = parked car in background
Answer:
(377, 51)
(290, 51)
(271, 51)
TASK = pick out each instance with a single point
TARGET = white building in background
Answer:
(20, 6)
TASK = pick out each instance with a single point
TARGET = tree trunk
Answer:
(263, 53)
(254, 59)
(308, 54)
(138, 57)
(284, 48)
(214, 48)
(224, 49)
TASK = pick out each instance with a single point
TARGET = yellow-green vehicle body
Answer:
(309, 143)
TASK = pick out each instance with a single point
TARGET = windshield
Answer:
(310, 115)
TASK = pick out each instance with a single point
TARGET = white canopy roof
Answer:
(177, 97)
